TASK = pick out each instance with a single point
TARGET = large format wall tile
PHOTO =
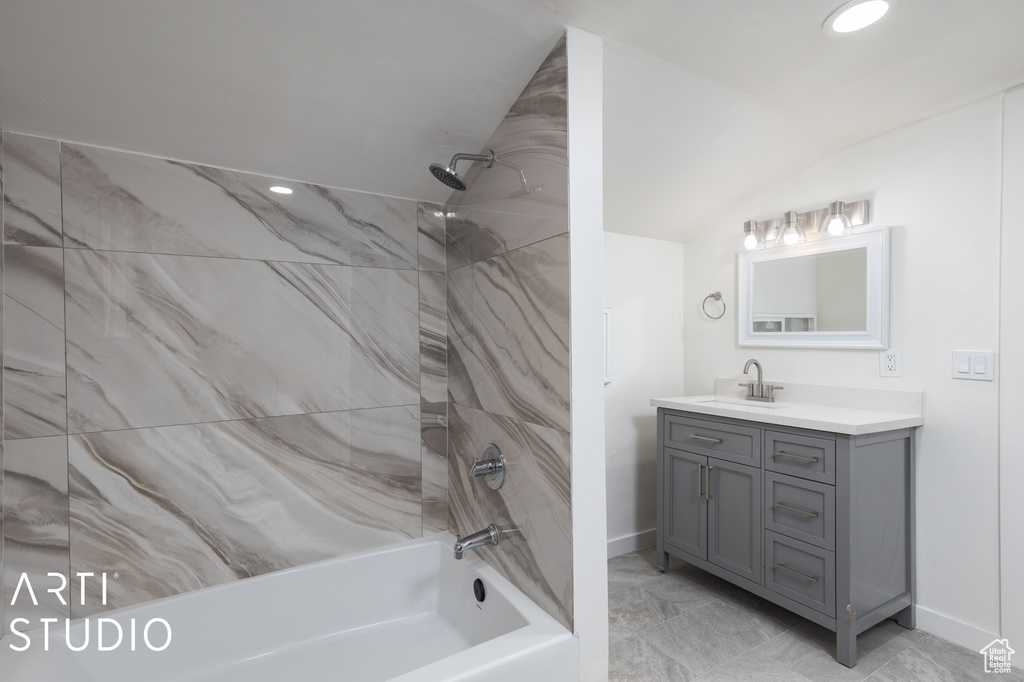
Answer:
(498, 212)
(35, 482)
(434, 430)
(32, 213)
(213, 339)
(509, 350)
(430, 223)
(34, 384)
(462, 363)
(508, 343)
(177, 508)
(433, 338)
(532, 510)
(127, 202)
(475, 234)
(243, 379)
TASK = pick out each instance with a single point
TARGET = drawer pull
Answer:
(782, 505)
(812, 578)
(780, 453)
(707, 438)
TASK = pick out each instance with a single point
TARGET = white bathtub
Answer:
(405, 613)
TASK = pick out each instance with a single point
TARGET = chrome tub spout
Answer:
(487, 536)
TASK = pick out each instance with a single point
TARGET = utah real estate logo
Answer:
(997, 656)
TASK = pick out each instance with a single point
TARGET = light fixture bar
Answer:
(767, 232)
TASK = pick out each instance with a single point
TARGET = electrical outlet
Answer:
(890, 363)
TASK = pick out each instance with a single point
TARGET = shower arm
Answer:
(487, 158)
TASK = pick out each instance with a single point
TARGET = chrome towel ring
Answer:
(718, 297)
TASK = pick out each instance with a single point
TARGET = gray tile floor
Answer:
(689, 625)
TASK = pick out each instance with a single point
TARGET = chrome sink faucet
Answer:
(487, 536)
(758, 390)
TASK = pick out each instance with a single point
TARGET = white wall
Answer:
(643, 285)
(937, 183)
(586, 224)
(1011, 376)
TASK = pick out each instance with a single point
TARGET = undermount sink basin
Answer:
(739, 404)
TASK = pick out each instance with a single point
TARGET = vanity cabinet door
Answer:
(734, 518)
(686, 515)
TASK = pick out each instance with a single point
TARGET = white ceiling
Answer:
(706, 101)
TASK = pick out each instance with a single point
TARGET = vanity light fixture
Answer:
(838, 219)
(752, 239)
(836, 223)
(790, 232)
(281, 190)
(855, 15)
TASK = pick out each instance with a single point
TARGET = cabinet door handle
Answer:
(782, 505)
(780, 453)
(707, 492)
(812, 578)
(707, 438)
(700, 481)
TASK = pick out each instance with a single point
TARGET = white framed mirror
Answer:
(824, 293)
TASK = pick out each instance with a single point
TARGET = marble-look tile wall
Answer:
(509, 344)
(204, 381)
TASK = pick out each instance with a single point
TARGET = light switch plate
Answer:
(890, 363)
(974, 365)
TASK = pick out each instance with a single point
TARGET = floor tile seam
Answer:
(664, 653)
(719, 634)
(704, 676)
(924, 653)
(893, 658)
(655, 625)
(785, 665)
(751, 650)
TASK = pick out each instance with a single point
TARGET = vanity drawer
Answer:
(803, 456)
(804, 510)
(801, 572)
(733, 443)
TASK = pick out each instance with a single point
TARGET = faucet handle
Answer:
(491, 466)
(749, 385)
(769, 391)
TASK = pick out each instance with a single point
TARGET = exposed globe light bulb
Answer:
(836, 223)
(790, 232)
(750, 241)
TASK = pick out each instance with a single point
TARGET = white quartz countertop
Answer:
(800, 415)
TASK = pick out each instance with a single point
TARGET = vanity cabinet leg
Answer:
(846, 645)
(906, 618)
(662, 559)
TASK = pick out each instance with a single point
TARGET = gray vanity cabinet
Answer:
(734, 518)
(715, 511)
(819, 523)
(686, 513)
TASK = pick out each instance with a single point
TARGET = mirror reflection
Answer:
(822, 292)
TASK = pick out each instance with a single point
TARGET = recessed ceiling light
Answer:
(855, 15)
(280, 190)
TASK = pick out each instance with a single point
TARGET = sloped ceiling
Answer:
(705, 102)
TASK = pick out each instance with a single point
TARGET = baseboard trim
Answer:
(631, 543)
(953, 630)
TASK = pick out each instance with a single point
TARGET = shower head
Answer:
(448, 175)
